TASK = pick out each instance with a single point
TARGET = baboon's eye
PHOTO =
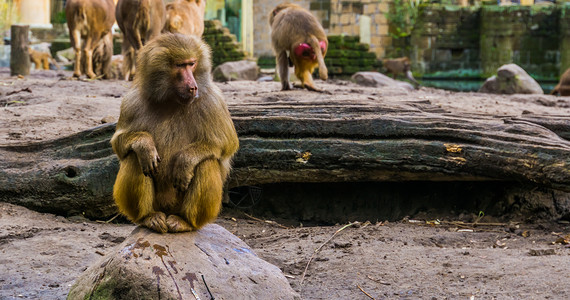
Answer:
(190, 63)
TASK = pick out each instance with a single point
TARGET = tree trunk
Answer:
(315, 141)
(20, 56)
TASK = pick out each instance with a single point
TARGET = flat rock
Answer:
(149, 265)
(236, 70)
(375, 79)
(511, 79)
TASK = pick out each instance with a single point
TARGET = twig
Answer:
(365, 293)
(110, 220)
(479, 217)
(321, 246)
(266, 221)
(195, 294)
(378, 280)
(207, 288)
(459, 223)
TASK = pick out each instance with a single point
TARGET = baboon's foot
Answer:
(156, 221)
(177, 224)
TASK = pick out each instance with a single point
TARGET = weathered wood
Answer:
(313, 141)
(19, 55)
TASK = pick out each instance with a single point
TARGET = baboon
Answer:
(174, 138)
(42, 59)
(399, 65)
(563, 86)
(140, 21)
(185, 16)
(296, 31)
(102, 56)
(89, 22)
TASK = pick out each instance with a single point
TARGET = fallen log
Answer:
(284, 139)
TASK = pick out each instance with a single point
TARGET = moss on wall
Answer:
(224, 44)
(346, 56)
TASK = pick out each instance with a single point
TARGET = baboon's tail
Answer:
(316, 46)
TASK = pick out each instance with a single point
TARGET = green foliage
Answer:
(59, 18)
(402, 17)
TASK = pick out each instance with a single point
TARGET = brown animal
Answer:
(42, 59)
(140, 21)
(174, 138)
(185, 16)
(89, 22)
(563, 87)
(297, 31)
(102, 57)
(399, 65)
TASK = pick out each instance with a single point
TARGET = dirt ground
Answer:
(42, 254)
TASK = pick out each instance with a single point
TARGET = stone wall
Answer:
(366, 19)
(348, 56)
(528, 36)
(445, 38)
(564, 37)
(453, 41)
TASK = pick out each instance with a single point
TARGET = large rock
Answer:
(375, 79)
(511, 79)
(149, 265)
(236, 70)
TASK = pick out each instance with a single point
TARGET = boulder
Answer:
(65, 55)
(511, 79)
(205, 264)
(375, 79)
(236, 70)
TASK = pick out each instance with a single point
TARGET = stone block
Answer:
(383, 29)
(370, 9)
(380, 18)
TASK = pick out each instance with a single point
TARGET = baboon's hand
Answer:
(182, 171)
(148, 158)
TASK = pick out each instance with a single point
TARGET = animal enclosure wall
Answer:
(453, 41)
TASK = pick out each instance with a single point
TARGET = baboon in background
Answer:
(399, 65)
(89, 21)
(42, 59)
(297, 31)
(174, 138)
(185, 16)
(140, 21)
(102, 56)
(563, 86)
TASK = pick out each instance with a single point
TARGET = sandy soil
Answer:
(42, 254)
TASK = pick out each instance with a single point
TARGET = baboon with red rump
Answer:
(174, 138)
(299, 40)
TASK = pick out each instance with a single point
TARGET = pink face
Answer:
(186, 86)
(305, 51)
